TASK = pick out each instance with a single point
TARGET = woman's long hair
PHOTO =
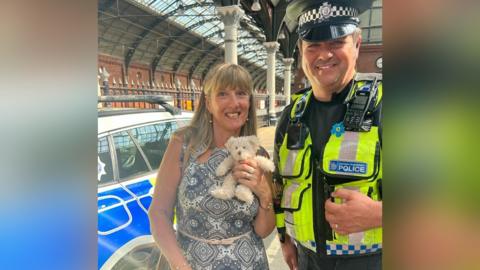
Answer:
(200, 130)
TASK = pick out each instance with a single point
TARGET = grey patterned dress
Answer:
(204, 217)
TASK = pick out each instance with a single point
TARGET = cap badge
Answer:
(325, 10)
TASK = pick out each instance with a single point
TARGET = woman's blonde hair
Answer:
(200, 130)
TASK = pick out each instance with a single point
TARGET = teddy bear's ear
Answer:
(253, 140)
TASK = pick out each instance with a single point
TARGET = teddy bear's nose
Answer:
(239, 153)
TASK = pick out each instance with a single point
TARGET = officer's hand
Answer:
(290, 253)
(248, 173)
(357, 213)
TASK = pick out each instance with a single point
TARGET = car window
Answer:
(130, 160)
(153, 139)
(105, 172)
(183, 122)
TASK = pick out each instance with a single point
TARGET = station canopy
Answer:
(187, 36)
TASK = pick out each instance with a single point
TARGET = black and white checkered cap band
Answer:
(325, 12)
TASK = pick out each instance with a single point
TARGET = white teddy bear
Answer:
(240, 148)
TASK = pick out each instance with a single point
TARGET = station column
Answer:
(287, 78)
(230, 16)
(272, 48)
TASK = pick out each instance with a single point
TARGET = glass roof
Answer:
(200, 17)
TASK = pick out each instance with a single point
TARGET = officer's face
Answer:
(330, 65)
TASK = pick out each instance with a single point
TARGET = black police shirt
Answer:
(320, 116)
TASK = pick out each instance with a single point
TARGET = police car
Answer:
(131, 144)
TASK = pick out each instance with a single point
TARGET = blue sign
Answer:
(350, 167)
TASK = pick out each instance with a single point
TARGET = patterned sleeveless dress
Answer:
(201, 216)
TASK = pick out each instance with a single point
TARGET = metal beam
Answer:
(211, 64)
(106, 5)
(197, 62)
(191, 27)
(153, 24)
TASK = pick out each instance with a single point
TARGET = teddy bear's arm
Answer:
(265, 163)
(225, 166)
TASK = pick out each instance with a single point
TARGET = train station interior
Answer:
(168, 46)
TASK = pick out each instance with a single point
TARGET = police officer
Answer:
(328, 146)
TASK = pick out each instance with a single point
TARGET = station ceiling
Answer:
(187, 36)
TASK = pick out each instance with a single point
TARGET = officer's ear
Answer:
(358, 42)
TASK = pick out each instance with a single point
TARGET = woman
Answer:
(212, 233)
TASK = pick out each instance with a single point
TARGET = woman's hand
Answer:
(248, 173)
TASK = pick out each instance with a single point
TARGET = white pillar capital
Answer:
(230, 15)
(287, 78)
(271, 46)
(288, 62)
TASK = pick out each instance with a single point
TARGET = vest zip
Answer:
(317, 208)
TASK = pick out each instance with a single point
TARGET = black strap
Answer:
(300, 107)
(355, 119)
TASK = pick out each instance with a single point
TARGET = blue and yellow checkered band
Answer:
(336, 249)
(324, 12)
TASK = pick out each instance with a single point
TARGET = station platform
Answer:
(266, 136)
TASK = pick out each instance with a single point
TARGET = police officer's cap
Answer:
(326, 19)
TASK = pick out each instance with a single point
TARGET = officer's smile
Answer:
(325, 66)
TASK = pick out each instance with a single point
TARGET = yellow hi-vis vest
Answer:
(350, 160)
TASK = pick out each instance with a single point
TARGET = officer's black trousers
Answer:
(309, 260)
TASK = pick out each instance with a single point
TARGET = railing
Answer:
(185, 99)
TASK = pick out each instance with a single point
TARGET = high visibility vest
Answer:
(351, 160)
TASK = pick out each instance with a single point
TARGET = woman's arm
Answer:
(163, 202)
(264, 222)
(260, 183)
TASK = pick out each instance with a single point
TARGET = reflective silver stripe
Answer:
(290, 162)
(289, 224)
(348, 148)
(356, 238)
(287, 195)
